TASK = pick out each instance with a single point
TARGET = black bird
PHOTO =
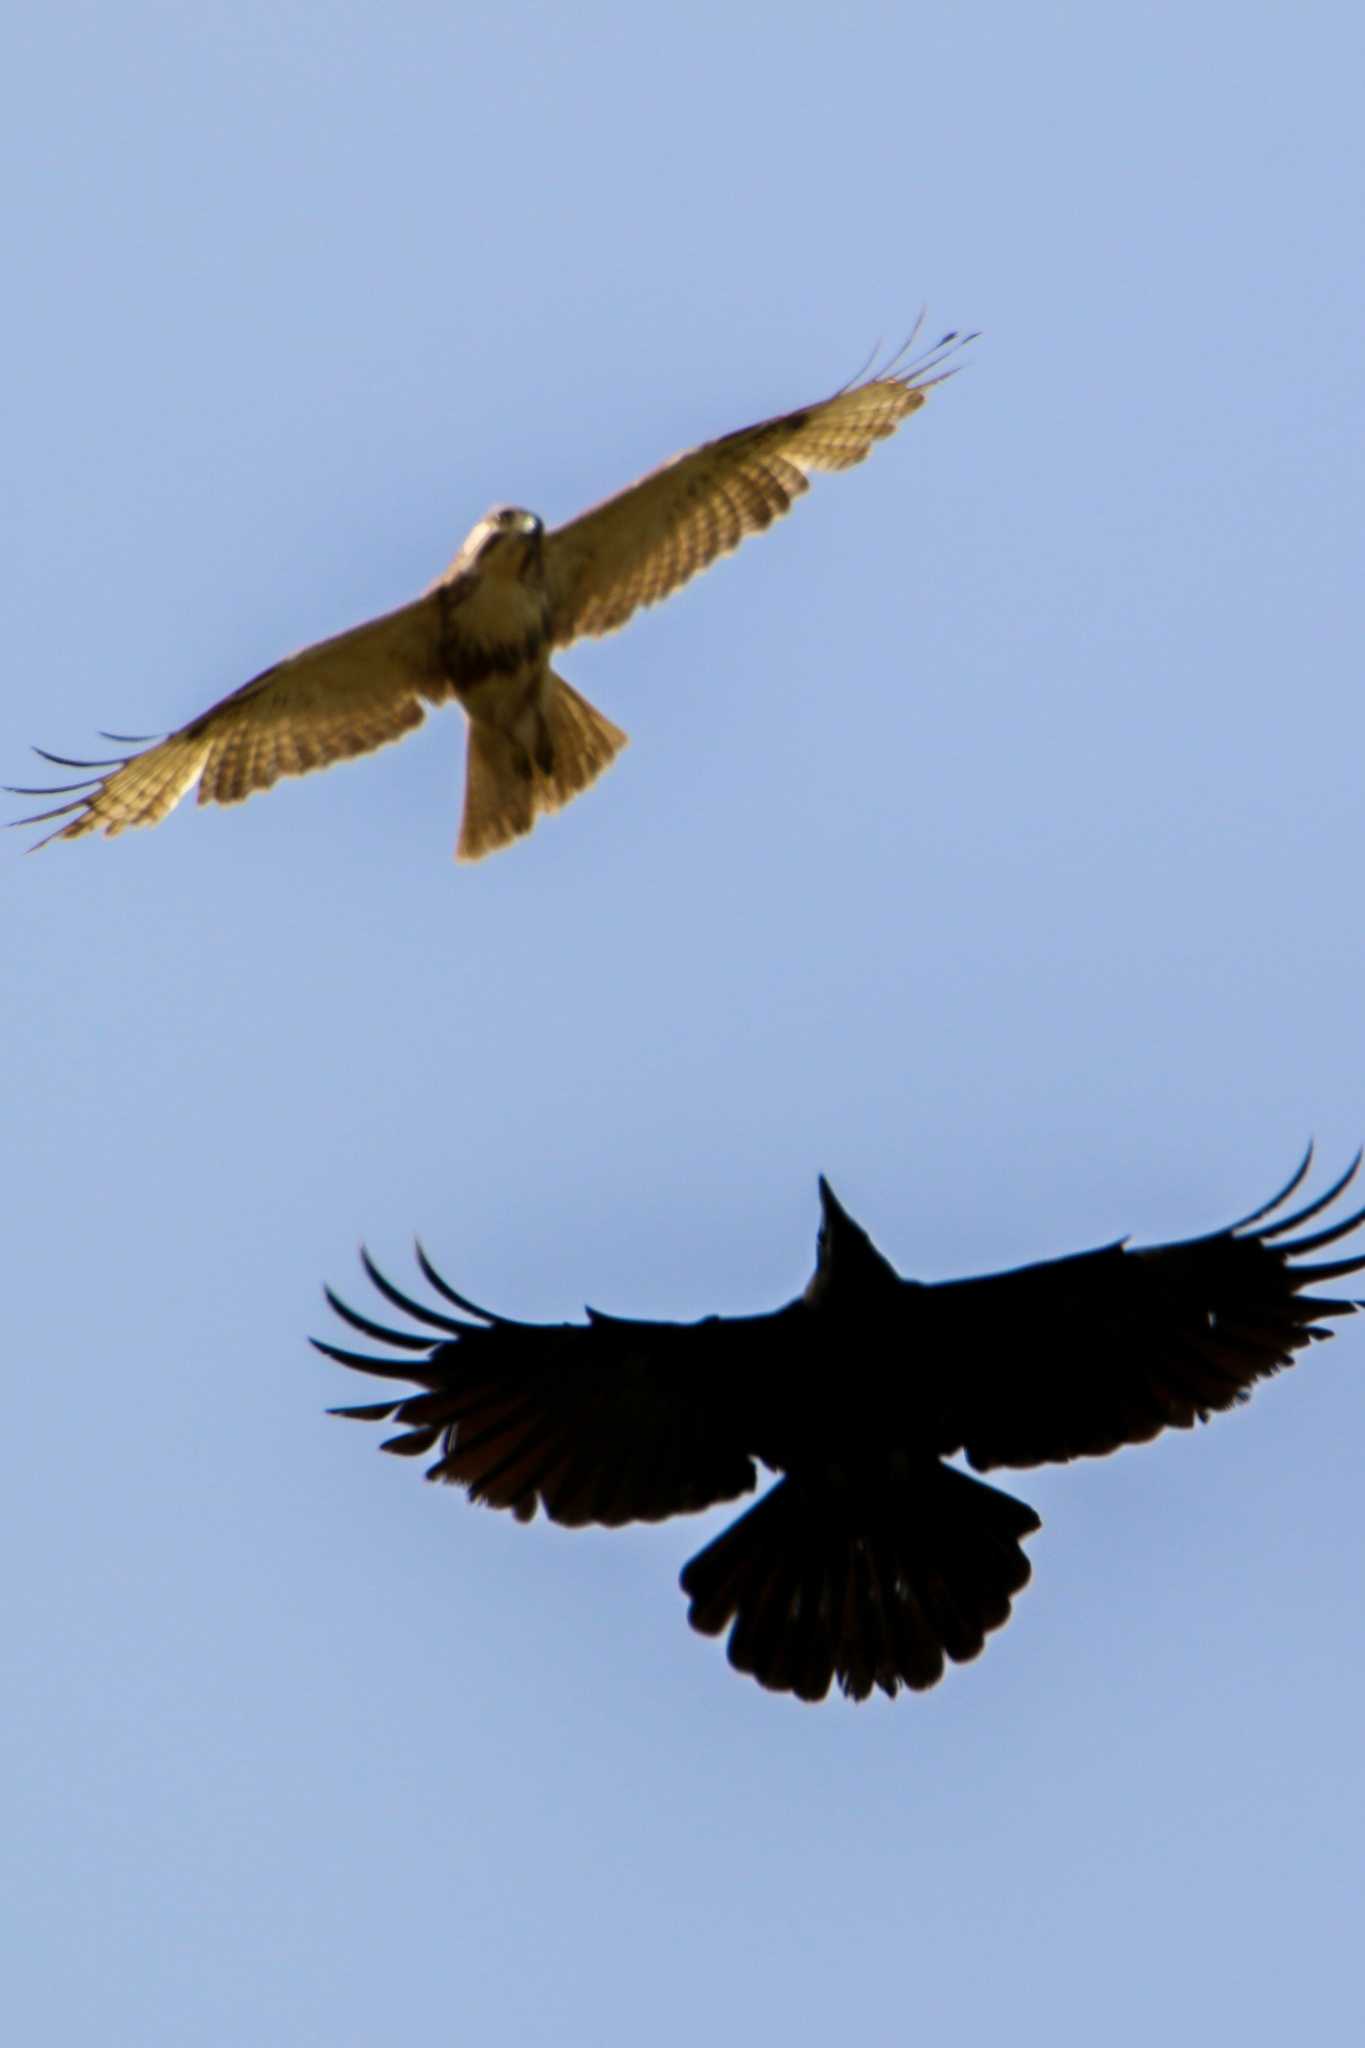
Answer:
(871, 1560)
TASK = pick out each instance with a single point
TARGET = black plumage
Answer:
(872, 1559)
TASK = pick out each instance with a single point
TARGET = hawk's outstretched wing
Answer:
(608, 1421)
(1075, 1357)
(648, 540)
(340, 697)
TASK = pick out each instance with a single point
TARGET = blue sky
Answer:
(989, 838)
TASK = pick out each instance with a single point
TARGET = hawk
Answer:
(484, 634)
(872, 1559)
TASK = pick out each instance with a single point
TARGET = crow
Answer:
(872, 1559)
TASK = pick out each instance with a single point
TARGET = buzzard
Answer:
(485, 632)
(871, 1559)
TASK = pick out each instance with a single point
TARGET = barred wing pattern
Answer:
(338, 698)
(650, 539)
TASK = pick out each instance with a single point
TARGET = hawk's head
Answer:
(504, 540)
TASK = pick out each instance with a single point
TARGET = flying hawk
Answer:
(485, 632)
(871, 1559)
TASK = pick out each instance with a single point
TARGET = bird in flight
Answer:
(485, 632)
(872, 1559)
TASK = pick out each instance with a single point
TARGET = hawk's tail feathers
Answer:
(584, 743)
(873, 1583)
(506, 789)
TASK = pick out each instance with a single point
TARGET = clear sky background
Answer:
(991, 838)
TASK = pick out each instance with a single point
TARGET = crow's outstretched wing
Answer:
(1075, 1357)
(651, 538)
(606, 1421)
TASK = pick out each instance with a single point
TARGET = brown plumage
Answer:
(871, 1560)
(483, 634)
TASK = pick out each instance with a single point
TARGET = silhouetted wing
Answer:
(606, 1421)
(648, 540)
(1078, 1356)
(340, 697)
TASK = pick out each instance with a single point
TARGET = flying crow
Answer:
(872, 1558)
